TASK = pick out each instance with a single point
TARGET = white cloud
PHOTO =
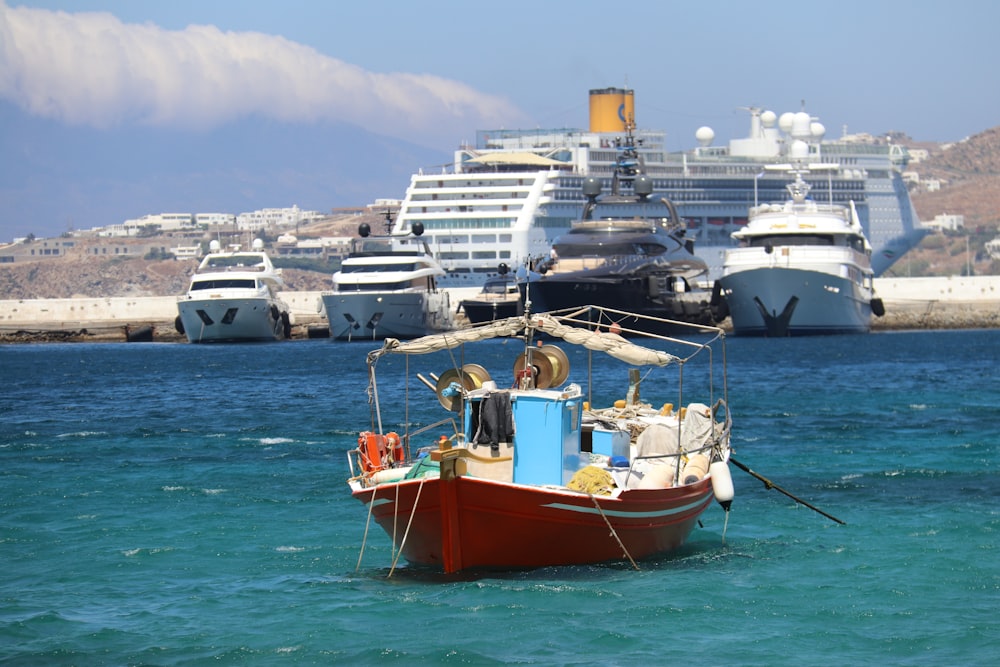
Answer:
(91, 69)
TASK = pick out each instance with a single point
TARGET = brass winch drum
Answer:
(550, 363)
(471, 376)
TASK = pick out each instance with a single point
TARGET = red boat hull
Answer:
(473, 523)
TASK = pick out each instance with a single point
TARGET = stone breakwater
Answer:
(910, 303)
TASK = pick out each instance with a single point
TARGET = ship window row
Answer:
(791, 240)
(553, 222)
(382, 287)
(453, 199)
(479, 254)
(743, 185)
(227, 283)
(480, 209)
(469, 223)
(475, 238)
(366, 268)
(493, 183)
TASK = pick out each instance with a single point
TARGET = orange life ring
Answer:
(378, 452)
(395, 448)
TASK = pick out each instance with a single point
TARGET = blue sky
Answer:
(117, 108)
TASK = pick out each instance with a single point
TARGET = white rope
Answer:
(368, 521)
(408, 524)
(395, 521)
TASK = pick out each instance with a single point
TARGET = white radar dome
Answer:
(799, 150)
(817, 130)
(214, 246)
(785, 122)
(258, 244)
(705, 135)
(800, 125)
(768, 118)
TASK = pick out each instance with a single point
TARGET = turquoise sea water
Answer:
(171, 504)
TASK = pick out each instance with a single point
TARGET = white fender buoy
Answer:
(722, 483)
(696, 469)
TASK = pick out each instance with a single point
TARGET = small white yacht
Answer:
(803, 267)
(499, 299)
(387, 287)
(233, 296)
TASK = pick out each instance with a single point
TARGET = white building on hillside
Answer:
(164, 222)
(215, 219)
(271, 218)
(946, 221)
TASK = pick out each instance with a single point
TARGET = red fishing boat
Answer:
(530, 474)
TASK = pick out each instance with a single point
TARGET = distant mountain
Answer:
(53, 178)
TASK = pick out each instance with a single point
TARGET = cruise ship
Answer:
(506, 199)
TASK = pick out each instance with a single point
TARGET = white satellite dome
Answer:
(799, 150)
(214, 246)
(785, 121)
(817, 130)
(800, 125)
(768, 119)
(258, 244)
(705, 135)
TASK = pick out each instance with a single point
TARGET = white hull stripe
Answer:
(627, 514)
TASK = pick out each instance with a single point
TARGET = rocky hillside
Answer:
(969, 172)
(94, 277)
(82, 274)
(970, 176)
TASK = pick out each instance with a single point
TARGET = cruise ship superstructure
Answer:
(507, 198)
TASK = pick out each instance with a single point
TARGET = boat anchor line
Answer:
(406, 533)
(614, 533)
(771, 485)
(368, 522)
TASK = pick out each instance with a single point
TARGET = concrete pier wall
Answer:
(910, 303)
(111, 311)
(952, 302)
(111, 318)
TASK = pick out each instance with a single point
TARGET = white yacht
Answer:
(233, 296)
(803, 267)
(506, 199)
(387, 287)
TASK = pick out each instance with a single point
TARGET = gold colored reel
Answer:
(550, 364)
(471, 376)
(559, 361)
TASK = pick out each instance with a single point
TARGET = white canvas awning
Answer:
(611, 344)
(524, 158)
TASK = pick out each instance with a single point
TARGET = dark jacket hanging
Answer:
(496, 419)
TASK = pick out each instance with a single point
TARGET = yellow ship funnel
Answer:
(611, 109)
